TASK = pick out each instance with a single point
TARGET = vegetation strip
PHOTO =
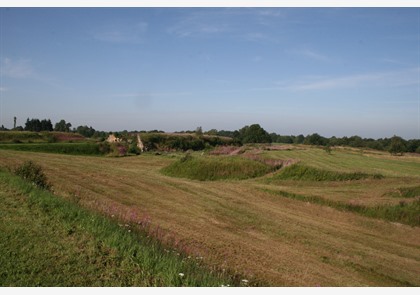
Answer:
(407, 192)
(302, 172)
(407, 213)
(48, 241)
(58, 148)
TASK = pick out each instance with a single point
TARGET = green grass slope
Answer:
(46, 241)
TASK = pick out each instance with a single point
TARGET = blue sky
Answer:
(334, 71)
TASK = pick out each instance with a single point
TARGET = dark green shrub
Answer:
(32, 172)
(104, 147)
(51, 138)
(134, 149)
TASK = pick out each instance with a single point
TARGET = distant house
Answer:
(112, 139)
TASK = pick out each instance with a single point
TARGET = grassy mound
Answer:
(216, 168)
(302, 172)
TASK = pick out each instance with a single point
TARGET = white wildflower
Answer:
(181, 274)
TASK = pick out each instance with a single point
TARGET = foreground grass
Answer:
(46, 241)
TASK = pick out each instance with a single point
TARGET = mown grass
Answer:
(350, 160)
(216, 168)
(47, 241)
(57, 148)
(306, 173)
(406, 213)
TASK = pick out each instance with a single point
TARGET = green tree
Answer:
(254, 134)
(397, 146)
(315, 139)
(86, 131)
(62, 126)
(199, 131)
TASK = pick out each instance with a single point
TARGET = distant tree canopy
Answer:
(86, 131)
(315, 139)
(397, 146)
(62, 126)
(254, 134)
(37, 125)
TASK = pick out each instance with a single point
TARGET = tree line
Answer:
(248, 134)
(256, 134)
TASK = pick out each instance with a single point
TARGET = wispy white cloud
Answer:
(271, 12)
(257, 37)
(121, 33)
(195, 26)
(311, 54)
(18, 69)
(149, 94)
(388, 79)
(3, 89)
(392, 61)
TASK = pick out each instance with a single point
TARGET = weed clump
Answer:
(33, 172)
(407, 213)
(409, 192)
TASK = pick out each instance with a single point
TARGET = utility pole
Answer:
(14, 125)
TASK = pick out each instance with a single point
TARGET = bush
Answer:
(32, 172)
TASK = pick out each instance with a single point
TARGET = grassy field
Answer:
(242, 226)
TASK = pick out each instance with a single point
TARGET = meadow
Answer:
(317, 221)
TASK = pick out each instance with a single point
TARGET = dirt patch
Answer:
(283, 147)
(227, 150)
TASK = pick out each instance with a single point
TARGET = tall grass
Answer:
(48, 241)
(409, 192)
(58, 148)
(216, 168)
(302, 172)
(407, 213)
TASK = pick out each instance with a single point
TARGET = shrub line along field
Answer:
(278, 240)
